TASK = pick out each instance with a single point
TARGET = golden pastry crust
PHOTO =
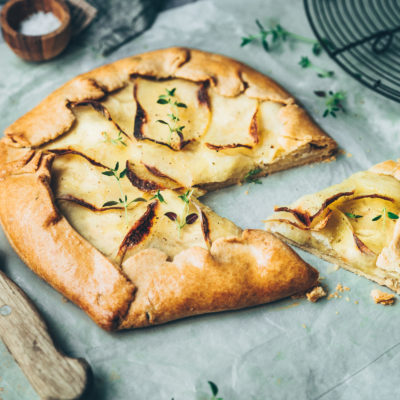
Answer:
(149, 286)
(307, 224)
(387, 299)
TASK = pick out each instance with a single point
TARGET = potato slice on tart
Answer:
(354, 224)
(114, 163)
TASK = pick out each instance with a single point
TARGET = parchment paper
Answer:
(334, 349)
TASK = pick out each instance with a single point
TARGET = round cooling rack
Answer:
(363, 37)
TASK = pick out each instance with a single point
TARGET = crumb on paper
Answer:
(315, 294)
(341, 288)
(347, 298)
(64, 299)
(246, 192)
(356, 302)
(330, 159)
(304, 326)
(384, 298)
(333, 268)
(337, 312)
(333, 295)
(348, 155)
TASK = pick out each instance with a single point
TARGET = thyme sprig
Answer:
(118, 141)
(384, 212)
(353, 216)
(390, 214)
(305, 62)
(333, 102)
(123, 200)
(251, 176)
(173, 126)
(277, 34)
(159, 197)
(185, 218)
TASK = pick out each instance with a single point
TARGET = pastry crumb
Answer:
(349, 155)
(315, 294)
(64, 299)
(337, 312)
(304, 326)
(384, 298)
(333, 268)
(246, 192)
(347, 298)
(356, 302)
(333, 295)
(330, 159)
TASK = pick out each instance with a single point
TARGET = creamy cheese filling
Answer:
(220, 139)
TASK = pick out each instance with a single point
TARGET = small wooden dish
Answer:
(40, 47)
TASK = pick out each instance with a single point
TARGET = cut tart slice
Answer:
(99, 187)
(354, 224)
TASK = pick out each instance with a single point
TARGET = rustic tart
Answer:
(99, 187)
(354, 224)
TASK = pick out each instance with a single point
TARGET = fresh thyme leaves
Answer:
(159, 197)
(173, 126)
(322, 73)
(123, 200)
(392, 215)
(278, 34)
(251, 177)
(185, 218)
(354, 216)
(333, 102)
(117, 141)
(214, 391)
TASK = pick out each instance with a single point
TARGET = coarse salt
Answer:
(40, 23)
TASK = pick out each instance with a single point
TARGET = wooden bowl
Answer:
(40, 47)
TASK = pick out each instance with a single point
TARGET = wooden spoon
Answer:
(52, 374)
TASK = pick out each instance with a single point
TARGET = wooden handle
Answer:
(52, 375)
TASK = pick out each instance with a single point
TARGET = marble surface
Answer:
(334, 349)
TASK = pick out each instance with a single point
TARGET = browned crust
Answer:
(226, 277)
(253, 131)
(56, 252)
(226, 146)
(52, 117)
(304, 217)
(145, 185)
(83, 203)
(140, 230)
(61, 152)
(361, 245)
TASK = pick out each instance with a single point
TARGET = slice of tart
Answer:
(354, 224)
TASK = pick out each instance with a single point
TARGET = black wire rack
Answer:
(363, 37)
